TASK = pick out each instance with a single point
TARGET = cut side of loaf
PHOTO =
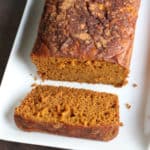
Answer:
(70, 112)
(86, 41)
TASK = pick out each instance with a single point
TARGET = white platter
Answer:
(17, 82)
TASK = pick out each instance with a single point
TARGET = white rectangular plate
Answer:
(17, 82)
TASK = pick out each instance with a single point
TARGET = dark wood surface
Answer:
(10, 15)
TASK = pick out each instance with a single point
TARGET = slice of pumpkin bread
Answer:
(70, 112)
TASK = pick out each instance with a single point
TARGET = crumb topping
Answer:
(95, 29)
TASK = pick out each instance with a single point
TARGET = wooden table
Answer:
(10, 15)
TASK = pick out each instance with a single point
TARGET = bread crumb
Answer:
(128, 106)
(35, 78)
(134, 85)
(33, 85)
(121, 124)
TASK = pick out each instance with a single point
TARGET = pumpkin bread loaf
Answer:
(70, 112)
(86, 40)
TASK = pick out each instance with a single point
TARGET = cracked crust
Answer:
(88, 29)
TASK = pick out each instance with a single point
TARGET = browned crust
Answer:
(102, 133)
(117, 51)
